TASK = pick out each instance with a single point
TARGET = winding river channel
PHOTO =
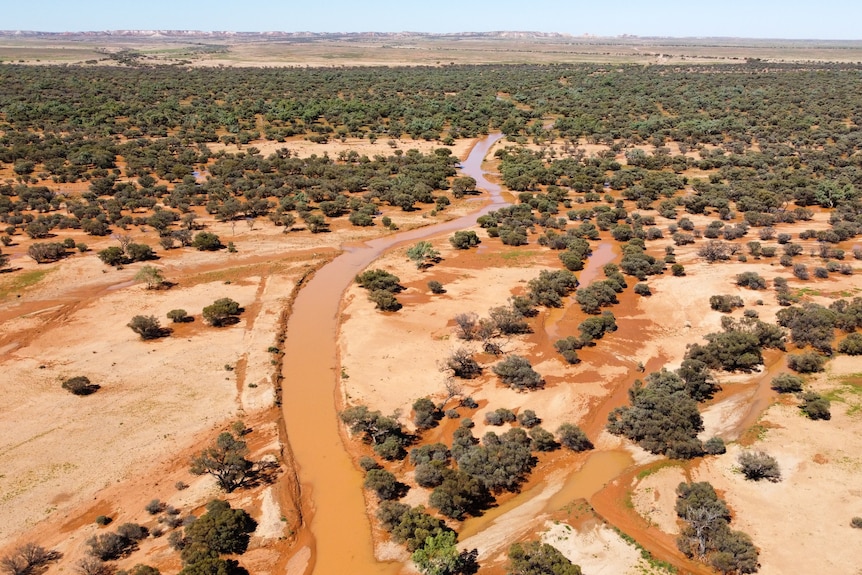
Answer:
(340, 530)
(336, 536)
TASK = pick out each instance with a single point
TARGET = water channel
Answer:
(337, 520)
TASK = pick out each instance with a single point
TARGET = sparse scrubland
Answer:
(671, 283)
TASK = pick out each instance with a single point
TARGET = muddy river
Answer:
(337, 533)
(341, 534)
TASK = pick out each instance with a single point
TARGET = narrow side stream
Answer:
(339, 527)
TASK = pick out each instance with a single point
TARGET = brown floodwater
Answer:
(604, 254)
(331, 485)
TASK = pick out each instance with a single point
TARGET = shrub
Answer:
(147, 326)
(714, 446)
(222, 312)
(499, 416)
(462, 364)
(528, 418)
(642, 289)
(103, 520)
(383, 483)
(384, 300)
(155, 507)
(132, 531)
(786, 383)
(221, 529)
(436, 287)
(534, 558)
(140, 252)
(757, 465)
(815, 406)
(851, 345)
(542, 439)
(113, 256)
(179, 316)
(550, 287)
(751, 280)
(46, 252)
(807, 362)
(567, 348)
(429, 453)
(368, 463)
(206, 241)
(856, 522)
(80, 385)
(429, 474)
(425, 413)
(378, 279)
(463, 240)
(571, 437)
(725, 303)
(801, 271)
(677, 270)
(109, 546)
(516, 372)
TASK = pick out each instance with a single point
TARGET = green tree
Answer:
(383, 483)
(516, 372)
(206, 241)
(147, 326)
(222, 312)
(225, 461)
(464, 240)
(423, 254)
(439, 555)
(757, 465)
(150, 275)
(535, 558)
(572, 437)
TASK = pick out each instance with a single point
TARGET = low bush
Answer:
(786, 383)
(757, 465)
(80, 385)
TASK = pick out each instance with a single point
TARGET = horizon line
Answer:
(585, 35)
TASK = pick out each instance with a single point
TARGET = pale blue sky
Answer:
(824, 19)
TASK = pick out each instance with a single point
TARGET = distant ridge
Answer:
(278, 34)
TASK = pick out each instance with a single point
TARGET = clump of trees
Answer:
(384, 433)
(534, 558)
(806, 362)
(739, 347)
(549, 288)
(382, 287)
(663, 417)
(707, 535)
(45, 252)
(222, 530)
